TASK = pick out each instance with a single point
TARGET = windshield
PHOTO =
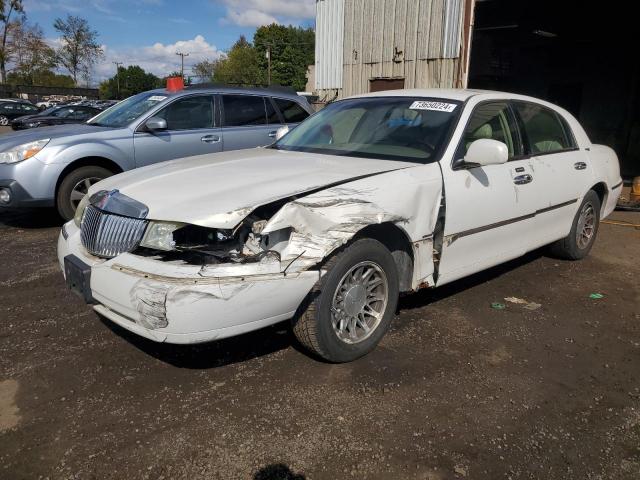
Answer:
(128, 110)
(388, 128)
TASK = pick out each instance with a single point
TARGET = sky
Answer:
(150, 32)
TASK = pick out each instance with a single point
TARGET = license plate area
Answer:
(78, 275)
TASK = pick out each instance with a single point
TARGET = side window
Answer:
(291, 111)
(543, 129)
(189, 113)
(272, 115)
(243, 110)
(493, 121)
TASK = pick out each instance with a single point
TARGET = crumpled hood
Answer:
(56, 132)
(220, 190)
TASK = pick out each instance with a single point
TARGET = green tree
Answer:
(241, 66)
(6, 11)
(205, 69)
(131, 80)
(31, 56)
(45, 78)
(80, 49)
(292, 50)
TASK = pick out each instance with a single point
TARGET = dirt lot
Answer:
(456, 389)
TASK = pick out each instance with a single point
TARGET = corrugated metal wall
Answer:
(418, 40)
(329, 43)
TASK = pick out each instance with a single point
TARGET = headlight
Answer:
(159, 235)
(22, 152)
(82, 206)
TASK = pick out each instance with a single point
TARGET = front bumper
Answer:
(183, 304)
(31, 183)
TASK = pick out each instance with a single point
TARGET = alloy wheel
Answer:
(359, 302)
(80, 189)
(586, 226)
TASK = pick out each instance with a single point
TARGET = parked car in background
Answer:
(55, 166)
(10, 110)
(373, 195)
(47, 104)
(55, 116)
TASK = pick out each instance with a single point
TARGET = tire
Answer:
(313, 324)
(575, 246)
(74, 184)
(4, 120)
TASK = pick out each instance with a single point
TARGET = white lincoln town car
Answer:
(372, 196)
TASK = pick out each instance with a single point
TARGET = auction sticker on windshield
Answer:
(437, 106)
(157, 98)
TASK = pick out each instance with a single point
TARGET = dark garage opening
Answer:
(580, 55)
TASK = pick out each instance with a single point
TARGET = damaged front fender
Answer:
(324, 221)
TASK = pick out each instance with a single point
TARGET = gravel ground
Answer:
(455, 390)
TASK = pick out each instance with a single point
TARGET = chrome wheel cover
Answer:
(80, 189)
(359, 302)
(586, 227)
(4, 120)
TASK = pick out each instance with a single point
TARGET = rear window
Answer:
(291, 111)
(543, 128)
(243, 110)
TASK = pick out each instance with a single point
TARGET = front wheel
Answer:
(75, 186)
(4, 120)
(584, 229)
(350, 308)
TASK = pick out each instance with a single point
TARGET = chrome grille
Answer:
(107, 235)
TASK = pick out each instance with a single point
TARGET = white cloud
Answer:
(159, 59)
(254, 13)
(250, 18)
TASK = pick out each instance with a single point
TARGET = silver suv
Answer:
(54, 166)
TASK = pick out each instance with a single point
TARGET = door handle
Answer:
(580, 166)
(210, 139)
(273, 134)
(522, 179)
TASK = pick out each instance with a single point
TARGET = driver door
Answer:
(192, 129)
(489, 209)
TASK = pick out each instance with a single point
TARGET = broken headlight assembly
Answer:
(159, 235)
(202, 245)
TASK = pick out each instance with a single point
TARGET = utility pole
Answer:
(268, 54)
(182, 55)
(117, 64)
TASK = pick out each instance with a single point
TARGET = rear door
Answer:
(192, 129)
(561, 170)
(248, 121)
(490, 209)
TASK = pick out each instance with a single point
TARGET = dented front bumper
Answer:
(178, 303)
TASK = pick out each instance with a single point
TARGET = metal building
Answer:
(369, 45)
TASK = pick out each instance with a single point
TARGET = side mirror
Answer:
(281, 132)
(156, 123)
(485, 151)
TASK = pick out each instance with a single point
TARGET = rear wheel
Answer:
(75, 186)
(4, 120)
(350, 308)
(584, 229)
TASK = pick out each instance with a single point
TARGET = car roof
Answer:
(459, 94)
(282, 92)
